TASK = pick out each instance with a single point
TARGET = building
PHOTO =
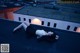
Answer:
(61, 17)
(8, 13)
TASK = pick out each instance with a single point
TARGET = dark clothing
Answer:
(48, 38)
(31, 32)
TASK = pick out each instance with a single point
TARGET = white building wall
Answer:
(60, 24)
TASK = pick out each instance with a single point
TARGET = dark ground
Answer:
(69, 42)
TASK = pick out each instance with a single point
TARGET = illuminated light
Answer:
(36, 21)
(78, 29)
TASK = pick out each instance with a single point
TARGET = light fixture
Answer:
(78, 29)
(36, 21)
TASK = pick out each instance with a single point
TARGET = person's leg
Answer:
(17, 27)
(27, 24)
(24, 25)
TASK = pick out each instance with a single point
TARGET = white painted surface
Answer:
(60, 24)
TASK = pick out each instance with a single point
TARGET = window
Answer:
(48, 24)
(24, 19)
(19, 19)
(42, 22)
(75, 28)
(68, 27)
(54, 25)
(29, 20)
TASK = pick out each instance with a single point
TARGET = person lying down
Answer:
(39, 34)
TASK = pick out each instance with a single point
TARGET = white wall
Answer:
(60, 24)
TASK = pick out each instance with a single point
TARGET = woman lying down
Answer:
(39, 34)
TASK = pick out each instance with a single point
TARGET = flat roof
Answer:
(20, 43)
(6, 5)
(49, 13)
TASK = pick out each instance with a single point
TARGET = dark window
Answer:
(42, 22)
(19, 19)
(24, 19)
(29, 20)
(75, 28)
(48, 24)
(68, 27)
(54, 25)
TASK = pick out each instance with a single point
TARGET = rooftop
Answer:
(20, 43)
(44, 12)
(10, 4)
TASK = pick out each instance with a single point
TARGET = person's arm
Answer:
(40, 33)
